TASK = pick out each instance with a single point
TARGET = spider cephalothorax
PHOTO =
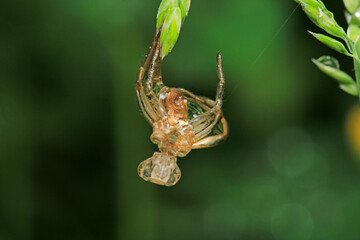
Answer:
(181, 121)
(173, 133)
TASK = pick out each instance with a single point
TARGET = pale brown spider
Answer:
(181, 121)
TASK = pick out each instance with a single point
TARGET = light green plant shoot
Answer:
(324, 19)
(170, 17)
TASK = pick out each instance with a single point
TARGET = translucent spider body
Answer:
(181, 121)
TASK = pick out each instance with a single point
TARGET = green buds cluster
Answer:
(323, 18)
(170, 17)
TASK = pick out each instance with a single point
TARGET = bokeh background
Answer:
(72, 134)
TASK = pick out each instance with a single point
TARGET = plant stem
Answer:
(357, 74)
(349, 44)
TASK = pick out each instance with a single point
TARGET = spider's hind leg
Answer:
(221, 84)
(213, 140)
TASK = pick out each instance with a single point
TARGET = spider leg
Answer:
(155, 80)
(207, 101)
(149, 107)
(204, 102)
(213, 140)
(205, 123)
(221, 84)
(146, 107)
(154, 75)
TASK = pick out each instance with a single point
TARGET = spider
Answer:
(181, 120)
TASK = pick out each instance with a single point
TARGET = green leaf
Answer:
(351, 5)
(332, 43)
(330, 66)
(170, 31)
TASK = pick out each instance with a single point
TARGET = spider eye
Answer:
(160, 169)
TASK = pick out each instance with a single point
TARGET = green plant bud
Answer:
(327, 22)
(348, 17)
(322, 17)
(170, 31)
(329, 61)
(164, 9)
(356, 17)
(313, 3)
(184, 7)
(313, 12)
(332, 43)
(351, 5)
(353, 32)
(350, 88)
(330, 66)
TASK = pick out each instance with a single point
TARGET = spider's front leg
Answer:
(151, 68)
(206, 122)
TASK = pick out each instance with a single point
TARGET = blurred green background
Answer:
(72, 134)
